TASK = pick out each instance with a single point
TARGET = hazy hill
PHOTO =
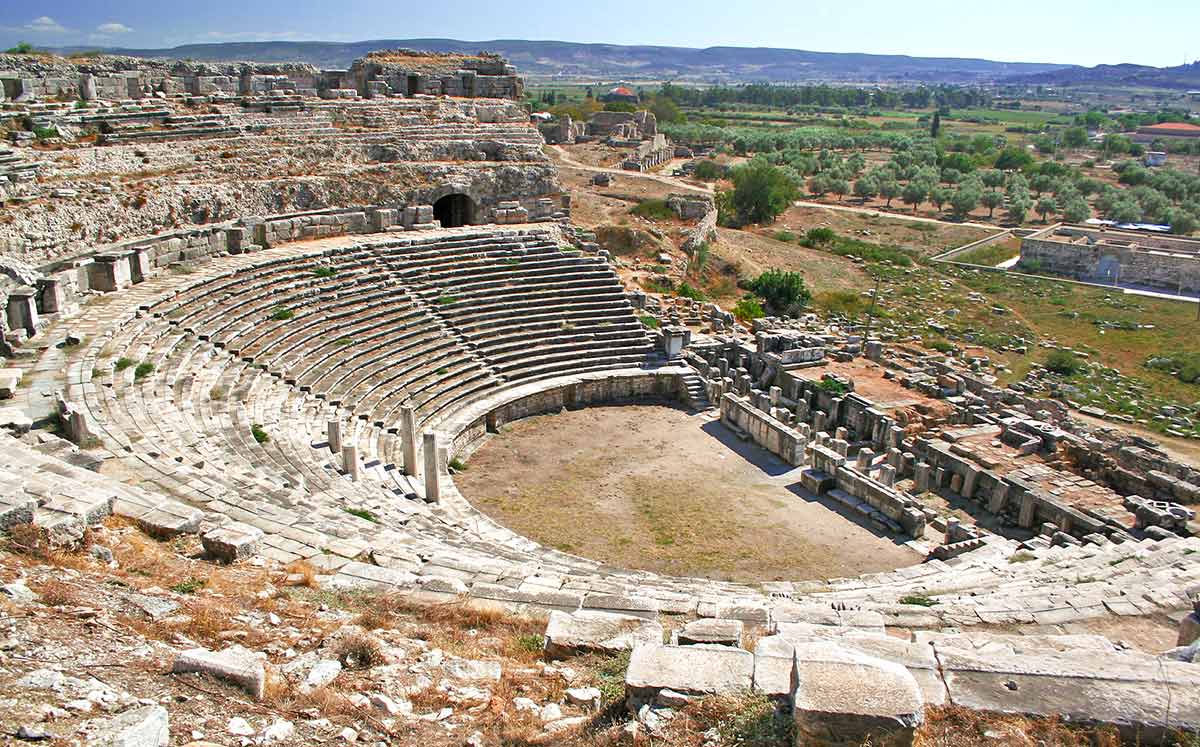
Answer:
(612, 61)
(1181, 76)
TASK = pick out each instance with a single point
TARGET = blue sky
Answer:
(1161, 32)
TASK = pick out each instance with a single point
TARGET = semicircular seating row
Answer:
(266, 339)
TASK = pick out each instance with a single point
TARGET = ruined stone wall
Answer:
(590, 391)
(777, 438)
(1154, 262)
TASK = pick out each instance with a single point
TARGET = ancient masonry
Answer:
(287, 299)
(1113, 257)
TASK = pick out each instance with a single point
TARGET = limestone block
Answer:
(236, 664)
(692, 670)
(138, 727)
(586, 632)
(233, 541)
(716, 631)
(847, 697)
(10, 378)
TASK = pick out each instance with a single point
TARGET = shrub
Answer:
(653, 209)
(833, 386)
(123, 363)
(787, 236)
(649, 320)
(709, 171)
(748, 309)
(1064, 362)
(259, 434)
(362, 513)
(761, 191)
(783, 291)
(218, 392)
(143, 370)
(919, 600)
(1183, 366)
(324, 272)
(458, 465)
(687, 291)
(360, 651)
(281, 314)
(819, 236)
(446, 300)
(191, 586)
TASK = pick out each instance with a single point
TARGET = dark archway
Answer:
(454, 210)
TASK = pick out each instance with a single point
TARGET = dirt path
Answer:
(889, 214)
(567, 160)
(661, 489)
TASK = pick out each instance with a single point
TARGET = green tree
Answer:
(939, 196)
(935, 125)
(1075, 137)
(1183, 222)
(1018, 209)
(866, 187)
(964, 200)
(1045, 206)
(761, 192)
(914, 193)
(1076, 210)
(1013, 158)
(889, 189)
(784, 292)
(839, 187)
(992, 200)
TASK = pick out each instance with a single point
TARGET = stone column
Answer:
(139, 264)
(998, 498)
(408, 439)
(433, 486)
(921, 477)
(333, 431)
(22, 309)
(969, 482)
(1189, 627)
(887, 475)
(863, 462)
(1028, 510)
(350, 461)
(54, 296)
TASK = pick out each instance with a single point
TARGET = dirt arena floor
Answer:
(658, 488)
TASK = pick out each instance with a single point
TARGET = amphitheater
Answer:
(276, 306)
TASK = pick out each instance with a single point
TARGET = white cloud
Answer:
(113, 28)
(45, 25)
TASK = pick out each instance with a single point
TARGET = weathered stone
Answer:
(846, 697)
(700, 669)
(718, 631)
(139, 727)
(586, 632)
(235, 664)
(232, 542)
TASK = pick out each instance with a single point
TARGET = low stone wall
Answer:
(1112, 257)
(769, 433)
(555, 396)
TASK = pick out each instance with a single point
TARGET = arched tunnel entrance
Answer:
(454, 210)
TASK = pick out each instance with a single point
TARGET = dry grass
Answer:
(960, 727)
(59, 594)
(360, 651)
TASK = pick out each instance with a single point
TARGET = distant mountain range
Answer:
(569, 60)
(1186, 77)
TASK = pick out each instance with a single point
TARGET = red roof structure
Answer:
(1177, 129)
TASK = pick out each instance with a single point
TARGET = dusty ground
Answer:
(657, 488)
(922, 237)
(754, 253)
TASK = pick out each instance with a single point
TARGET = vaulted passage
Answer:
(454, 210)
